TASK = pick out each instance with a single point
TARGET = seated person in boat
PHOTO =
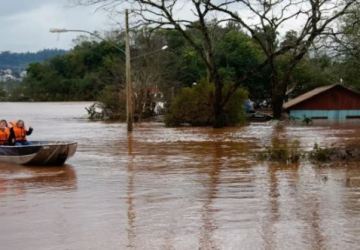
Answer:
(18, 133)
(4, 133)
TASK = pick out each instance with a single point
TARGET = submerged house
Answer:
(334, 102)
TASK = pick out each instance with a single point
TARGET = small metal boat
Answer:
(258, 117)
(38, 153)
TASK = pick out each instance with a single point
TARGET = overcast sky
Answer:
(25, 24)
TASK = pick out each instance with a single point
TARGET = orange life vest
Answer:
(20, 133)
(4, 136)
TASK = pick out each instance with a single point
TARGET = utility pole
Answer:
(128, 87)
(129, 101)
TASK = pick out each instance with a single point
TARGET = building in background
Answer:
(7, 75)
(333, 102)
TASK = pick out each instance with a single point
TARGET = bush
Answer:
(291, 153)
(283, 153)
(194, 106)
(113, 103)
(319, 154)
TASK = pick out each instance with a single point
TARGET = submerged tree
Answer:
(265, 20)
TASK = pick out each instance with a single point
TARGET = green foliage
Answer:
(347, 67)
(2, 94)
(80, 74)
(311, 73)
(237, 54)
(321, 154)
(113, 103)
(184, 63)
(291, 153)
(194, 105)
(95, 70)
(12, 91)
(234, 108)
(349, 71)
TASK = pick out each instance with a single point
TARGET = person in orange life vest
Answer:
(20, 133)
(4, 133)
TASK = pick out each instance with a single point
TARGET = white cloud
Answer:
(28, 29)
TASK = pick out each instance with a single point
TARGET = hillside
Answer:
(19, 61)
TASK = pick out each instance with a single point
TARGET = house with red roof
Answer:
(333, 102)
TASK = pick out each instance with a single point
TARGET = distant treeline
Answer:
(19, 61)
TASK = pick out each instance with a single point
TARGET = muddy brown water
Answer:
(176, 188)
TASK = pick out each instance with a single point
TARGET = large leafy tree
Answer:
(345, 43)
(78, 75)
(265, 20)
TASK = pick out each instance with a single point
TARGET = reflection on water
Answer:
(176, 188)
(130, 193)
(20, 179)
(208, 224)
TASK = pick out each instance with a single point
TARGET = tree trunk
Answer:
(219, 116)
(214, 78)
(277, 98)
(277, 103)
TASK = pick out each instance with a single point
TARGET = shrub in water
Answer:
(321, 154)
(194, 106)
(283, 152)
(110, 105)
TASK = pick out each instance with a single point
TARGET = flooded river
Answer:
(171, 188)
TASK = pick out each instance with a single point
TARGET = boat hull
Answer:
(38, 153)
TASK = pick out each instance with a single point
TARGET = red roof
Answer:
(311, 94)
